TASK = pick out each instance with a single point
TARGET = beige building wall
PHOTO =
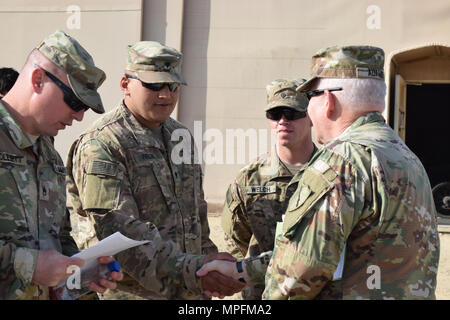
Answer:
(232, 50)
(103, 27)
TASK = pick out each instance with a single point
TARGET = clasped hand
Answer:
(215, 281)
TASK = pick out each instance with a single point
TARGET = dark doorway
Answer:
(428, 131)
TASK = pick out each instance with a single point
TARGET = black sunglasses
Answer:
(312, 93)
(288, 113)
(173, 86)
(69, 97)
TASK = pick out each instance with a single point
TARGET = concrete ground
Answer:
(443, 279)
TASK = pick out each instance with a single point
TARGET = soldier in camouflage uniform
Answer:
(124, 175)
(362, 222)
(258, 197)
(35, 243)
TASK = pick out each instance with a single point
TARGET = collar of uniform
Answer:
(296, 178)
(274, 167)
(371, 117)
(302, 167)
(19, 136)
(283, 170)
(32, 138)
(142, 133)
(367, 118)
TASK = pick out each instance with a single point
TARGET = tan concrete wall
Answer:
(234, 48)
(106, 27)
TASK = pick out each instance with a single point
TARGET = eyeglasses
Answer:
(173, 86)
(312, 93)
(69, 97)
(288, 113)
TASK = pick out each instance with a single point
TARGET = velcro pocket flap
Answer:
(313, 185)
(101, 185)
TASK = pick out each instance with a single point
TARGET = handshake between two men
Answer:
(222, 275)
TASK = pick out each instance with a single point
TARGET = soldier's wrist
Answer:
(25, 261)
(192, 262)
(241, 274)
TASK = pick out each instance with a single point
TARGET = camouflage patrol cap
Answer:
(153, 62)
(282, 93)
(347, 62)
(84, 77)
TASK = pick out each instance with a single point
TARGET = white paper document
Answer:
(340, 268)
(109, 246)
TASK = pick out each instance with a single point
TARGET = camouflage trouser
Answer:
(89, 296)
(119, 295)
(252, 292)
(129, 289)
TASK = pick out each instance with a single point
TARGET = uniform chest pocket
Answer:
(144, 170)
(264, 202)
(52, 194)
(52, 183)
(311, 189)
(144, 177)
(15, 184)
(151, 187)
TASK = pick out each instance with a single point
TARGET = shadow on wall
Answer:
(154, 25)
(192, 103)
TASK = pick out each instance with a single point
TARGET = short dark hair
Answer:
(8, 77)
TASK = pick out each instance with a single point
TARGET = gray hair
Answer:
(357, 94)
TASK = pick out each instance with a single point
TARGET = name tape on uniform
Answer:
(260, 189)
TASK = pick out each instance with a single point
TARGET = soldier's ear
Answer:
(37, 80)
(330, 104)
(124, 83)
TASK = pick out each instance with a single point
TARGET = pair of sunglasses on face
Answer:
(312, 93)
(173, 86)
(291, 114)
(288, 114)
(69, 97)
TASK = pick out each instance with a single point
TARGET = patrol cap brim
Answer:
(159, 77)
(305, 85)
(298, 104)
(278, 105)
(89, 97)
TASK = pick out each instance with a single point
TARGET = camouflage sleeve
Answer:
(256, 267)
(17, 266)
(235, 223)
(69, 247)
(207, 245)
(320, 216)
(106, 195)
